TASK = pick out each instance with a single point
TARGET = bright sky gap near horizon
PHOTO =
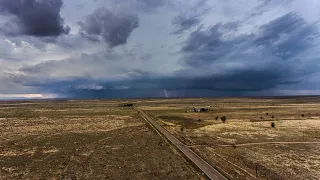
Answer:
(148, 48)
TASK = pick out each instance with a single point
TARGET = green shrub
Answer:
(217, 117)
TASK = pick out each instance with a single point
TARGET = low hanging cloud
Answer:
(113, 27)
(32, 17)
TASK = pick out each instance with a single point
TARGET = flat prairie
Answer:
(83, 139)
(261, 138)
(246, 146)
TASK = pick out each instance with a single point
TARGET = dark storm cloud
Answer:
(217, 61)
(73, 88)
(282, 38)
(236, 81)
(267, 59)
(140, 82)
(239, 83)
(114, 28)
(33, 17)
(205, 46)
(287, 36)
(240, 80)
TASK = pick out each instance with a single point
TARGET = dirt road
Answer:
(264, 143)
(206, 168)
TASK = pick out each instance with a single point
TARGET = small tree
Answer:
(181, 129)
(261, 117)
(223, 119)
(267, 114)
(302, 115)
(272, 117)
(217, 118)
(273, 125)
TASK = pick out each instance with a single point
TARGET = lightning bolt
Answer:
(165, 92)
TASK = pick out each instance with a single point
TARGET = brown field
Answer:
(83, 140)
(246, 145)
(91, 139)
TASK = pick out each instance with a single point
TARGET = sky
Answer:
(148, 48)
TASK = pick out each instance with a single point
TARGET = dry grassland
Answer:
(246, 146)
(83, 140)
